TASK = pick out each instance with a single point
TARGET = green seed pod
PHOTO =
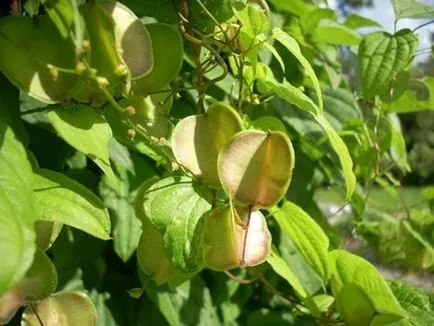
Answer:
(132, 38)
(256, 167)
(198, 139)
(62, 308)
(168, 54)
(232, 239)
(151, 256)
(31, 49)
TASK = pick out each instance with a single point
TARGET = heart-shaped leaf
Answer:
(255, 168)
(348, 268)
(65, 200)
(382, 57)
(29, 47)
(198, 140)
(168, 54)
(87, 131)
(175, 206)
(62, 308)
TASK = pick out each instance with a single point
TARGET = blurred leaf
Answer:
(398, 150)
(268, 123)
(354, 305)
(347, 268)
(306, 235)
(415, 303)
(85, 130)
(17, 211)
(32, 7)
(382, 56)
(189, 304)
(412, 9)
(65, 200)
(355, 21)
(126, 227)
(296, 7)
(175, 206)
(313, 18)
(266, 316)
(334, 33)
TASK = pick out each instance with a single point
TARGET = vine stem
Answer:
(36, 314)
(246, 227)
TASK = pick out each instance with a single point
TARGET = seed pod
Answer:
(151, 256)
(168, 52)
(62, 308)
(231, 239)
(255, 168)
(132, 38)
(198, 139)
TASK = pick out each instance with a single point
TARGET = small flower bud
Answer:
(121, 70)
(80, 67)
(130, 110)
(163, 141)
(131, 134)
(102, 82)
(85, 45)
(54, 73)
(175, 166)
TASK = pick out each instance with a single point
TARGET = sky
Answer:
(382, 12)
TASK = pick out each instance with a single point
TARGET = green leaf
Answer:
(355, 306)
(293, 95)
(17, 212)
(343, 154)
(382, 56)
(126, 227)
(414, 302)
(85, 130)
(281, 267)
(292, 46)
(296, 7)
(313, 18)
(306, 234)
(65, 200)
(355, 21)
(176, 207)
(331, 32)
(347, 268)
(398, 150)
(419, 97)
(412, 9)
(192, 296)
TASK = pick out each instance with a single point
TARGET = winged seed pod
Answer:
(255, 168)
(198, 139)
(168, 55)
(231, 239)
(62, 308)
(151, 256)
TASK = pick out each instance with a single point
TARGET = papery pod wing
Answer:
(62, 308)
(235, 238)
(168, 54)
(198, 139)
(132, 38)
(256, 167)
(220, 240)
